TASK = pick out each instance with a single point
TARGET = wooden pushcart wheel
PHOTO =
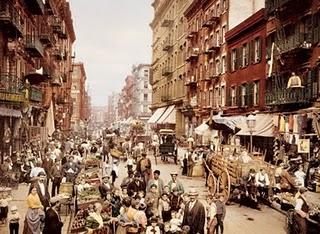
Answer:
(224, 184)
(212, 184)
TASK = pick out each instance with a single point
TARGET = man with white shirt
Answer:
(194, 214)
(157, 181)
(71, 169)
(56, 177)
(262, 183)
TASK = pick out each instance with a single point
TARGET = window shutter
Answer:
(251, 51)
(238, 59)
(228, 61)
(238, 95)
(228, 97)
(260, 49)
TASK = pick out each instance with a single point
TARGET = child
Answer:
(164, 208)
(175, 222)
(175, 199)
(130, 163)
(220, 213)
(211, 214)
(13, 219)
(166, 228)
(185, 229)
(153, 228)
(4, 202)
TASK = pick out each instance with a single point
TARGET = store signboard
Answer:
(304, 146)
(11, 97)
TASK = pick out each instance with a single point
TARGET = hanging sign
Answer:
(304, 146)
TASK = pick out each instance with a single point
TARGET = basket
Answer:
(116, 153)
(66, 188)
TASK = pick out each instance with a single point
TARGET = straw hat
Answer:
(174, 173)
(193, 192)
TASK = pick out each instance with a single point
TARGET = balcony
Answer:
(210, 21)
(36, 7)
(167, 23)
(58, 53)
(193, 53)
(35, 94)
(10, 19)
(11, 88)
(167, 45)
(166, 71)
(289, 96)
(214, 45)
(281, 5)
(295, 43)
(46, 37)
(191, 80)
(59, 28)
(33, 46)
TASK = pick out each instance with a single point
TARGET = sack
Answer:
(116, 153)
(132, 230)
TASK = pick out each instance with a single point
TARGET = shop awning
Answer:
(202, 129)
(157, 115)
(227, 123)
(37, 77)
(10, 112)
(169, 116)
(264, 126)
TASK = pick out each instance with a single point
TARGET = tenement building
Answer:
(169, 64)
(35, 64)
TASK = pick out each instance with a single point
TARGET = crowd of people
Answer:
(141, 203)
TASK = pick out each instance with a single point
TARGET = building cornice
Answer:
(159, 12)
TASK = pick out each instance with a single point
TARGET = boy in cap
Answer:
(220, 212)
(13, 219)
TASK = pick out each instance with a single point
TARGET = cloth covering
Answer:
(264, 126)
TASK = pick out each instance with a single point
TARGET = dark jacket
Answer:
(195, 218)
(135, 188)
(52, 222)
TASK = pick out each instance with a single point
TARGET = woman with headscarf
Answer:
(33, 223)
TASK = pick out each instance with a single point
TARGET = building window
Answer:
(245, 55)
(223, 96)
(216, 97)
(218, 67)
(224, 30)
(233, 96)
(211, 98)
(145, 97)
(223, 64)
(256, 93)
(218, 38)
(257, 50)
(224, 4)
(243, 95)
(233, 60)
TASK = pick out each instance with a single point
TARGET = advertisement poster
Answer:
(304, 146)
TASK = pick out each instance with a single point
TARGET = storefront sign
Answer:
(11, 97)
(304, 146)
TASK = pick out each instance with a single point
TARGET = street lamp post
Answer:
(251, 123)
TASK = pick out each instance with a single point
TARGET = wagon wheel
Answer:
(224, 184)
(212, 183)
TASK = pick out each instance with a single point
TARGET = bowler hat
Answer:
(193, 192)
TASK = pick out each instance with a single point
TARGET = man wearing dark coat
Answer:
(52, 221)
(136, 185)
(194, 214)
(71, 170)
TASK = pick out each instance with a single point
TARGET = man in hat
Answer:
(157, 181)
(52, 221)
(56, 177)
(152, 201)
(127, 180)
(194, 214)
(301, 211)
(175, 183)
(71, 169)
(42, 189)
(105, 187)
(136, 185)
(144, 168)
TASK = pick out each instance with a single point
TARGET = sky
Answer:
(112, 35)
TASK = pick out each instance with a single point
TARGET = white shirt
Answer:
(262, 177)
(191, 205)
(150, 228)
(211, 210)
(300, 176)
(42, 189)
(35, 171)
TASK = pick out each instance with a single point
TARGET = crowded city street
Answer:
(159, 117)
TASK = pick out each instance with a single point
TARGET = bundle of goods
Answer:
(88, 196)
(66, 189)
(116, 153)
(91, 163)
(79, 223)
(90, 176)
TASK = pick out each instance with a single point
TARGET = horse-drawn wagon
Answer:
(227, 170)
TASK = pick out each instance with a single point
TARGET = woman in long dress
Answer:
(33, 223)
